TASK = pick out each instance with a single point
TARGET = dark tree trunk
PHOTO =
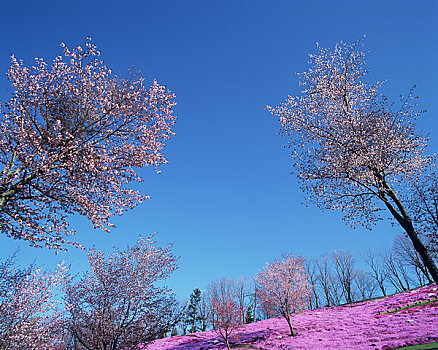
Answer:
(405, 221)
(382, 288)
(421, 249)
(292, 332)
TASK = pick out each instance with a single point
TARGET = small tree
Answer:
(183, 322)
(345, 273)
(71, 136)
(193, 310)
(249, 315)
(242, 293)
(375, 261)
(326, 279)
(253, 302)
(224, 314)
(352, 150)
(365, 284)
(117, 304)
(203, 312)
(397, 271)
(266, 310)
(284, 285)
(310, 267)
(29, 317)
(405, 252)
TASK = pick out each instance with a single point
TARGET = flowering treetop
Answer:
(347, 140)
(122, 302)
(71, 136)
(283, 287)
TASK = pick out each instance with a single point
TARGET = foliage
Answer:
(70, 137)
(345, 137)
(117, 304)
(352, 150)
(225, 313)
(29, 317)
(283, 285)
(249, 316)
(193, 310)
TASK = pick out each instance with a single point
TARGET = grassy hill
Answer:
(398, 320)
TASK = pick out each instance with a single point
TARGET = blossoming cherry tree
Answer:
(353, 151)
(71, 136)
(283, 286)
(225, 313)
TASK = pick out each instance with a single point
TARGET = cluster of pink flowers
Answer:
(283, 287)
(354, 326)
(118, 303)
(30, 317)
(71, 138)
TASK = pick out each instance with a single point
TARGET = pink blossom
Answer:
(225, 314)
(354, 151)
(118, 304)
(283, 287)
(71, 137)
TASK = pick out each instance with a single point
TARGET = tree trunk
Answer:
(405, 221)
(227, 342)
(425, 256)
(255, 302)
(292, 332)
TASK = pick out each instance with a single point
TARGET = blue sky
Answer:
(227, 199)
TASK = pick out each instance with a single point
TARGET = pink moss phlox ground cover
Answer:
(355, 326)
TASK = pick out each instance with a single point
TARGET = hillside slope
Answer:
(375, 324)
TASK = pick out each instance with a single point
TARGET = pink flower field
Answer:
(361, 325)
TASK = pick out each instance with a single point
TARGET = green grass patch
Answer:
(418, 303)
(430, 346)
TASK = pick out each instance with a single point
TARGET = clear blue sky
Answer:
(227, 200)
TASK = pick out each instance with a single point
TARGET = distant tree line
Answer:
(337, 279)
(333, 278)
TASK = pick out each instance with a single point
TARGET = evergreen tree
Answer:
(249, 318)
(192, 310)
